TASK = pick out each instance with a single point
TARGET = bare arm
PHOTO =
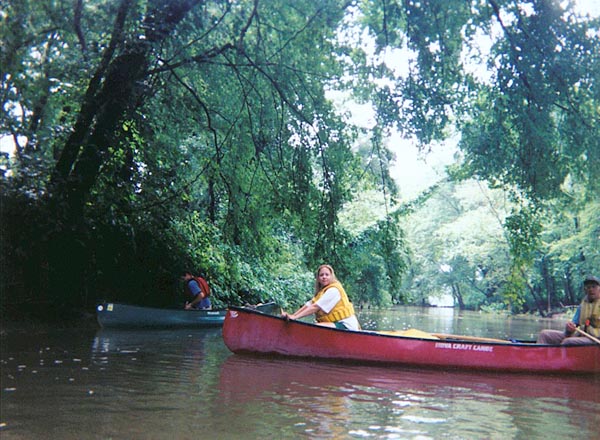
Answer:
(305, 310)
(197, 291)
(197, 299)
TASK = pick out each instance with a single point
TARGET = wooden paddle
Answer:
(410, 333)
(596, 340)
(413, 333)
(471, 338)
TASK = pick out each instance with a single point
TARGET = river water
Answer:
(185, 384)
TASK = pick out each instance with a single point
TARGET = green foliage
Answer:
(208, 141)
(458, 246)
(569, 248)
(524, 229)
(151, 137)
(532, 125)
(376, 264)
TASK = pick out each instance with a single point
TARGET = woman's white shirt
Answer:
(328, 301)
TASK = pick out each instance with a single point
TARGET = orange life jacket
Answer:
(204, 287)
(342, 310)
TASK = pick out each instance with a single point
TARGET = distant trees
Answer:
(460, 246)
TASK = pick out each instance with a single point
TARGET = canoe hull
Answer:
(116, 315)
(245, 331)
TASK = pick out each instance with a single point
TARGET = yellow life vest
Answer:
(342, 310)
(590, 311)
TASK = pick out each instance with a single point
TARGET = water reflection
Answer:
(158, 361)
(246, 377)
(188, 343)
(329, 400)
(183, 384)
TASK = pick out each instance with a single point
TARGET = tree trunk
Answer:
(571, 296)
(549, 284)
(458, 299)
(541, 306)
(113, 94)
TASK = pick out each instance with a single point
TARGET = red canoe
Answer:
(249, 331)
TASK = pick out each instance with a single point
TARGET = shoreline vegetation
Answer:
(254, 141)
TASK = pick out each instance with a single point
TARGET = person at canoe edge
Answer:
(330, 304)
(198, 290)
(587, 318)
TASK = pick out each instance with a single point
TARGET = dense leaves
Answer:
(157, 135)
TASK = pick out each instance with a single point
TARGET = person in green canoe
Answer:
(586, 318)
(330, 304)
(198, 290)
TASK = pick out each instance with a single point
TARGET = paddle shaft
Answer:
(449, 336)
(596, 340)
(470, 338)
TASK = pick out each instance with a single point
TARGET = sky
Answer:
(415, 171)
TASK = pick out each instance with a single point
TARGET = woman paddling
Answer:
(330, 304)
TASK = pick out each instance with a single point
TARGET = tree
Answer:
(218, 107)
(458, 246)
(134, 121)
(528, 122)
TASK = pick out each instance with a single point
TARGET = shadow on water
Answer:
(107, 341)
